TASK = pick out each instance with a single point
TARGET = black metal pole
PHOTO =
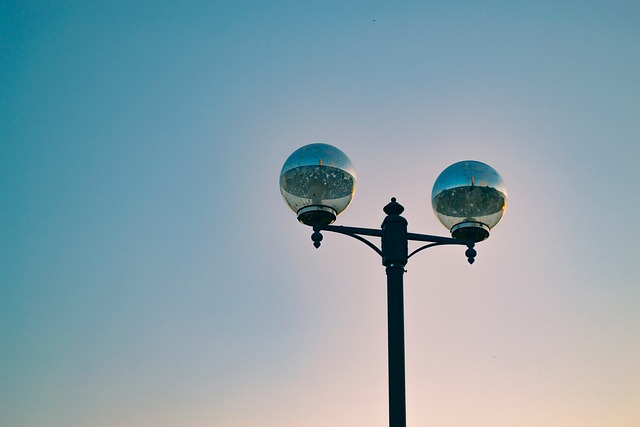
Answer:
(394, 258)
(395, 322)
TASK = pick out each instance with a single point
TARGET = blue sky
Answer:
(150, 273)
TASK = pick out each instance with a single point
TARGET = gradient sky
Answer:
(151, 275)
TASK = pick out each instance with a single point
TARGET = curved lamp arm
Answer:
(354, 232)
(470, 253)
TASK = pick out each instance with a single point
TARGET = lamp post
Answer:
(318, 182)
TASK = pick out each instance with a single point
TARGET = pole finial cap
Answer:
(393, 208)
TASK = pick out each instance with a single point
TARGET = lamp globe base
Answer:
(317, 215)
(471, 230)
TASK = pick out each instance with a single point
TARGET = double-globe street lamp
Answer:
(318, 182)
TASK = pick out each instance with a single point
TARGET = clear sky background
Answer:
(151, 275)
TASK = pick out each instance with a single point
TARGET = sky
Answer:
(151, 274)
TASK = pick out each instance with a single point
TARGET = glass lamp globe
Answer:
(469, 198)
(318, 182)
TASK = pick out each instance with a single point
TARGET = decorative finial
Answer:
(393, 208)
(316, 237)
(471, 253)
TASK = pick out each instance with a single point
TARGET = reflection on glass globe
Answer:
(318, 182)
(469, 198)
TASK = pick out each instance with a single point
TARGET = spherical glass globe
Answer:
(469, 198)
(318, 182)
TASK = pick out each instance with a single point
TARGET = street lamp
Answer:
(318, 182)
